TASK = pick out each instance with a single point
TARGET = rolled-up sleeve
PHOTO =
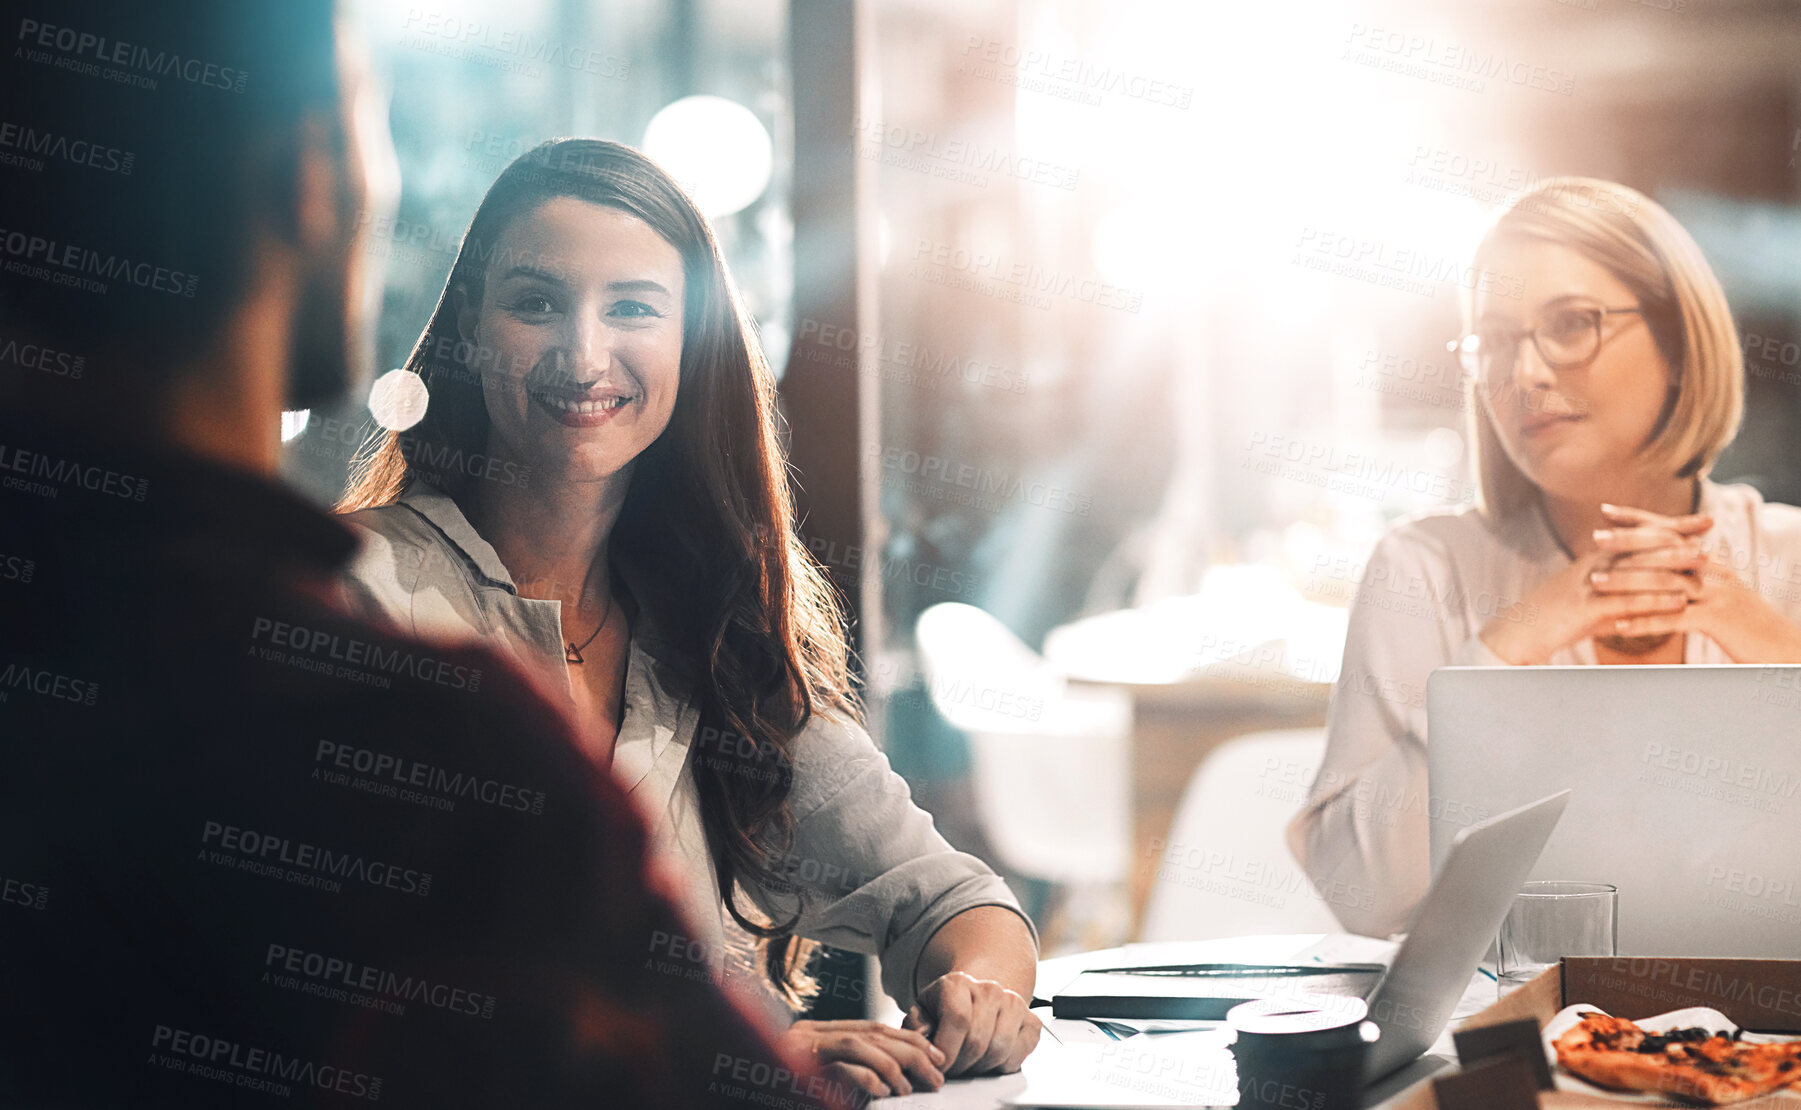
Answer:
(868, 868)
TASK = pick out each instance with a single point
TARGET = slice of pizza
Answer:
(1693, 1064)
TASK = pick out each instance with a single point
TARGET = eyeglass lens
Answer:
(1566, 339)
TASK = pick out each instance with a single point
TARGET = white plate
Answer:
(1711, 1020)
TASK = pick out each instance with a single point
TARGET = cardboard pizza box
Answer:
(1757, 994)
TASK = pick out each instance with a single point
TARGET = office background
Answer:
(1089, 308)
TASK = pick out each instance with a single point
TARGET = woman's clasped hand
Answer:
(1648, 577)
(1637, 581)
(1719, 605)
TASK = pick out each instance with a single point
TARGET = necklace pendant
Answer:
(573, 654)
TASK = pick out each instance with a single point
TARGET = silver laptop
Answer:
(1411, 1004)
(1686, 790)
(1452, 928)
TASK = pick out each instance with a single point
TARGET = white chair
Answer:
(1049, 762)
(1225, 869)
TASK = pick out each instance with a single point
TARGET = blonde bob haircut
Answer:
(1634, 239)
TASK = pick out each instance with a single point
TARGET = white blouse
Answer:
(867, 869)
(1431, 585)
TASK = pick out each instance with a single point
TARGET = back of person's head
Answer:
(1641, 245)
(151, 145)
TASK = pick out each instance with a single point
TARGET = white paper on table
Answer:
(1172, 1070)
(1348, 948)
(1693, 1017)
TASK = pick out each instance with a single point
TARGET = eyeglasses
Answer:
(1568, 339)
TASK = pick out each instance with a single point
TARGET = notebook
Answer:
(1203, 992)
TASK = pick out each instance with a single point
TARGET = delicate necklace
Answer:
(571, 652)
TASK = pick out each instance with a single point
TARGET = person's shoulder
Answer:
(1437, 534)
(831, 733)
(465, 686)
(399, 552)
(832, 750)
(1778, 525)
(1745, 498)
(459, 708)
(1780, 521)
(394, 526)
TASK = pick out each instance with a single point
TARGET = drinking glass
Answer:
(1551, 920)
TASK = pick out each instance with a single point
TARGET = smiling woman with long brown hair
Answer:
(1604, 378)
(598, 486)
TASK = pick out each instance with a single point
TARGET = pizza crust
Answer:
(1628, 1071)
(1714, 1070)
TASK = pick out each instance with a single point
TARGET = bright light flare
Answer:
(717, 148)
(398, 399)
(293, 423)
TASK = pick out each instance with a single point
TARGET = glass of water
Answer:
(1551, 920)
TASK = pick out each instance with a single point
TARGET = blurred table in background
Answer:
(1246, 654)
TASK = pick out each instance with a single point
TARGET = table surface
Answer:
(1248, 626)
(1064, 1041)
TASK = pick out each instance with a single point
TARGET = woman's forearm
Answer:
(987, 942)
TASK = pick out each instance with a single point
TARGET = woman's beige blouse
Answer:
(871, 872)
(1429, 588)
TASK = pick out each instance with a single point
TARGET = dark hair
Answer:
(708, 524)
(163, 133)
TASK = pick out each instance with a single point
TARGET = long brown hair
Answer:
(707, 525)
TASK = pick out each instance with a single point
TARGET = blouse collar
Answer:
(444, 514)
(659, 718)
(1538, 542)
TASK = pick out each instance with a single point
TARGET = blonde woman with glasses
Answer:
(1604, 377)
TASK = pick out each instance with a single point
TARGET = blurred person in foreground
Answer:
(254, 847)
(1604, 377)
(598, 488)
